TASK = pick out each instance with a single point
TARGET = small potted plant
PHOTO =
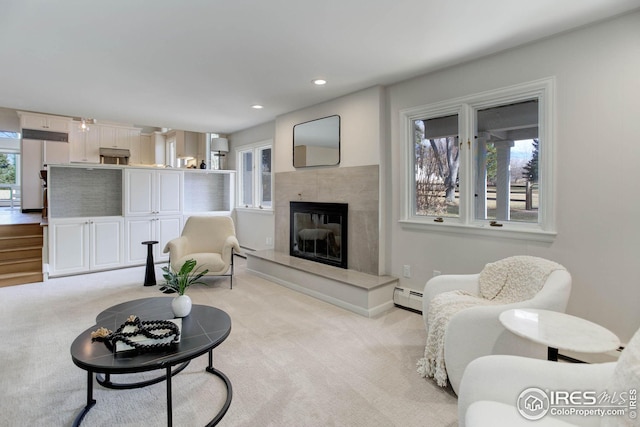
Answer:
(179, 281)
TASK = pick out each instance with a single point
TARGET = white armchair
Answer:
(210, 240)
(476, 331)
(491, 386)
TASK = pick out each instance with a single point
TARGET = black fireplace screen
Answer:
(319, 232)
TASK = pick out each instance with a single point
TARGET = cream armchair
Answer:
(491, 386)
(210, 240)
(476, 331)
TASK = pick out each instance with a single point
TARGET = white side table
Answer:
(559, 331)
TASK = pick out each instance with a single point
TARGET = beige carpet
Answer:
(292, 360)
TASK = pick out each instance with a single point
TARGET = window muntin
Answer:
(474, 217)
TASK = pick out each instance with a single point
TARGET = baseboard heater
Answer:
(407, 299)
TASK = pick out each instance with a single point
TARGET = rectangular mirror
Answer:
(317, 142)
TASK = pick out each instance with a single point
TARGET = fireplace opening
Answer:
(318, 232)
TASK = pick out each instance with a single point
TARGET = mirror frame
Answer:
(338, 142)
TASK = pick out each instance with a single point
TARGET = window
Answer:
(9, 168)
(254, 176)
(482, 164)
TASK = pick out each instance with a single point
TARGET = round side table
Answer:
(150, 273)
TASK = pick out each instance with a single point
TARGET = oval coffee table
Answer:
(202, 330)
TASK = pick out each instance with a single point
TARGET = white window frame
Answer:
(255, 148)
(544, 230)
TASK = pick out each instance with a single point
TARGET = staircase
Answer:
(20, 254)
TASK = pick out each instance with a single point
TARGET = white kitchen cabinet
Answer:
(159, 228)
(153, 201)
(126, 137)
(153, 192)
(84, 145)
(117, 136)
(45, 122)
(86, 230)
(79, 245)
(142, 151)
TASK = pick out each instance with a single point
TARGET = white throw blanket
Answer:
(506, 281)
(441, 309)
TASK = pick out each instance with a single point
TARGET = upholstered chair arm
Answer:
(479, 332)
(177, 247)
(502, 379)
(230, 244)
(555, 293)
(445, 283)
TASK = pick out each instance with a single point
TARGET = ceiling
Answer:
(200, 65)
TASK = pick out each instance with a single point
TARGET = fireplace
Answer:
(318, 232)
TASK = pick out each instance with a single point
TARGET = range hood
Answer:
(114, 156)
(45, 135)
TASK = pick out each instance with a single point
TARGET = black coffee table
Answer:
(203, 330)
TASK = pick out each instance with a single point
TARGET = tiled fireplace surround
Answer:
(357, 186)
(359, 288)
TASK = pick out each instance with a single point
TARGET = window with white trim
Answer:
(483, 163)
(255, 180)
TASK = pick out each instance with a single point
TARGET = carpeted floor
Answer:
(293, 360)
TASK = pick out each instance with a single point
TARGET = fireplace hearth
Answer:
(318, 232)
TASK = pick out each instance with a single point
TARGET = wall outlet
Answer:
(406, 271)
(436, 273)
(269, 241)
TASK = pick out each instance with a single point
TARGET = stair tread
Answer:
(22, 260)
(21, 248)
(12, 279)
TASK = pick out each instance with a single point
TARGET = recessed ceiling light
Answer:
(319, 82)
(257, 107)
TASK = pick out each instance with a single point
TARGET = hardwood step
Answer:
(15, 230)
(28, 265)
(20, 278)
(21, 242)
(21, 253)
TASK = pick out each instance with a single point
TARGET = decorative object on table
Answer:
(203, 165)
(179, 281)
(136, 335)
(217, 159)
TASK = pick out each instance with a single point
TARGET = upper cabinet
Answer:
(85, 145)
(44, 122)
(118, 137)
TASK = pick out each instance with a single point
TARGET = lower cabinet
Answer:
(80, 245)
(141, 229)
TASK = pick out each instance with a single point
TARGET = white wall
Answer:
(253, 228)
(597, 158)
(360, 136)
(9, 120)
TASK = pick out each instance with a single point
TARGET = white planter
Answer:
(181, 306)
